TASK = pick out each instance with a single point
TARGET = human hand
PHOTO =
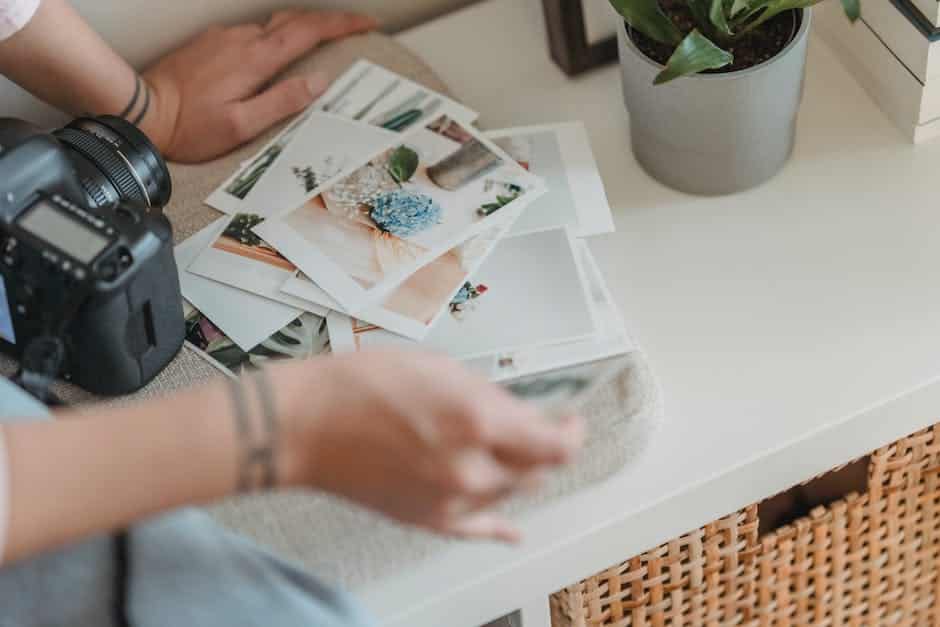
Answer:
(416, 437)
(213, 94)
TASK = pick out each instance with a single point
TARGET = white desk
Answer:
(792, 328)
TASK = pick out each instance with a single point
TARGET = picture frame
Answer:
(570, 40)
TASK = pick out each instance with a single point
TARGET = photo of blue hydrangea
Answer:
(404, 213)
(375, 226)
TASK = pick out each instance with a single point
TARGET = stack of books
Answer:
(383, 217)
(894, 52)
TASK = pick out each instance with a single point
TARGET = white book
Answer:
(911, 105)
(930, 9)
(913, 46)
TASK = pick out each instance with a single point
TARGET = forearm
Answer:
(84, 475)
(60, 59)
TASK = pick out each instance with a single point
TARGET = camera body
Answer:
(85, 254)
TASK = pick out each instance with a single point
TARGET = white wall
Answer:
(142, 30)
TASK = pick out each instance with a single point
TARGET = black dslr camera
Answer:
(88, 282)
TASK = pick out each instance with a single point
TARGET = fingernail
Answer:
(317, 83)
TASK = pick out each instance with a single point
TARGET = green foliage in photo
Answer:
(403, 164)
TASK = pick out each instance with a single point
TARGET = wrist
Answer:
(301, 406)
(158, 119)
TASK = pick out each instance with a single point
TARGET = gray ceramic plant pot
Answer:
(714, 134)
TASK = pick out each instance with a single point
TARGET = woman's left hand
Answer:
(214, 93)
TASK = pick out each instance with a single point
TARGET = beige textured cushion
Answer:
(340, 542)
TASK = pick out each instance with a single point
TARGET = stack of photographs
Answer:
(383, 217)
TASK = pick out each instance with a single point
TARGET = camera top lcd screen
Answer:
(46, 221)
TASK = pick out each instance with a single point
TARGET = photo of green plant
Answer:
(247, 178)
(239, 239)
(303, 338)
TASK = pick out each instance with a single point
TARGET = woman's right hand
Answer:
(416, 437)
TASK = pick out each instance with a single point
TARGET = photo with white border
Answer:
(247, 319)
(386, 100)
(413, 308)
(367, 232)
(531, 291)
(320, 150)
(561, 155)
(237, 257)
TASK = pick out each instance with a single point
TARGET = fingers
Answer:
(290, 35)
(523, 483)
(478, 476)
(525, 438)
(283, 99)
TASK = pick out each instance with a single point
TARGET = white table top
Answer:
(792, 328)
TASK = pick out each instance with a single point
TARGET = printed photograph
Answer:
(567, 387)
(364, 93)
(530, 292)
(303, 338)
(413, 307)
(236, 257)
(248, 177)
(561, 155)
(555, 375)
(373, 228)
(610, 341)
(324, 147)
(239, 239)
(369, 93)
(246, 318)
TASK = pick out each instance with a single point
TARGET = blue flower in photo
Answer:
(404, 213)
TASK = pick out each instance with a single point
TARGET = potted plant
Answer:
(713, 87)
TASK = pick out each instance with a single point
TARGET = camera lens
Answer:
(116, 162)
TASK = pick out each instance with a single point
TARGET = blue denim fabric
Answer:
(185, 570)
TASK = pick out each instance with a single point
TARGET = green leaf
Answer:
(853, 9)
(718, 19)
(772, 8)
(695, 54)
(739, 6)
(403, 164)
(647, 17)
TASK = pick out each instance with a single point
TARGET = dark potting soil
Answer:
(763, 44)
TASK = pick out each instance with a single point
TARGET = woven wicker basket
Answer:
(868, 559)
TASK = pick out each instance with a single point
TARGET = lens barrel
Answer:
(116, 162)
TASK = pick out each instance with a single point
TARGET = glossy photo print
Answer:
(237, 257)
(531, 291)
(245, 318)
(316, 151)
(302, 338)
(561, 155)
(368, 231)
(559, 362)
(413, 308)
(365, 93)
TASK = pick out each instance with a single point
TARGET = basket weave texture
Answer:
(868, 559)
